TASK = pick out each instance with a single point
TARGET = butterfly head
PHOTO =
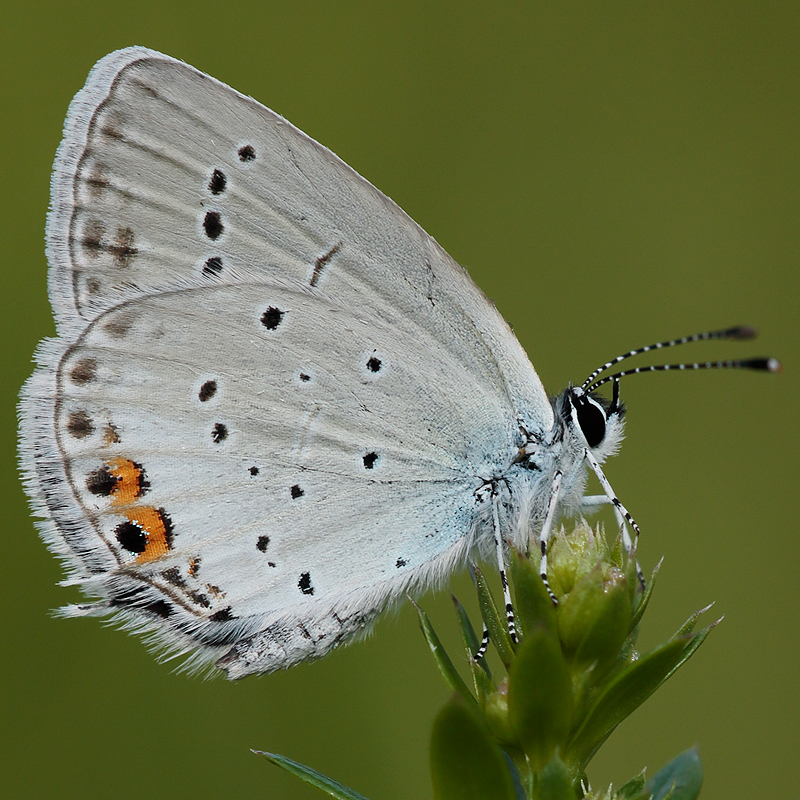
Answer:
(592, 420)
(591, 426)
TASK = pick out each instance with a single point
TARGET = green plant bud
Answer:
(540, 697)
(532, 605)
(496, 714)
(554, 782)
(594, 619)
(571, 556)
(466, 763)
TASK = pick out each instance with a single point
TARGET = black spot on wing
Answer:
(272, 317)
(169, 528)
(98, 180)
(207, 391)
(304, 584)
(218, 182)
(219, 433)
(131, 537)
(102, 482)
(111, 132)
(213, 266)
(212, 225)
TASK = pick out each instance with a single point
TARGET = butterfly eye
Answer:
(591, 419)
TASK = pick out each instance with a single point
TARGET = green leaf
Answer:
(540, 696)
(618, 555)
(468, 635)
(481, 674)
(484, 685)
(532, 603)
(466, 764)
(694, 643)
(311, 776)
(495, 714)
(497, 627)
(622, 696)
(448, 671)
(632, 789)
(555, 782)
(681, 779)
(690, 623)
(638, 612)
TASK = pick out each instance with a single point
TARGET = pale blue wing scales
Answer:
(197, 238)
(286, 491)
(142, 143)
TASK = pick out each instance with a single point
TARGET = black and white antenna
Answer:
(740, 332)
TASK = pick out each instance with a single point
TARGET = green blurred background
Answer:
(610, 174)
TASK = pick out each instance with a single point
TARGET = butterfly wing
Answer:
(273, 396)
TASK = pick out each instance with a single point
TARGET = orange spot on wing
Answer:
(129, 477)
(155, 524)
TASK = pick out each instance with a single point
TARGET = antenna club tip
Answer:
(743, 332)
(773, 365)
(763, 364)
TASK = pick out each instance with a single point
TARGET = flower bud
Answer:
(496, 715)
(571, 556)
(540, 701)
(594, 619)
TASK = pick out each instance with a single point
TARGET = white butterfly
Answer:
(275, 404)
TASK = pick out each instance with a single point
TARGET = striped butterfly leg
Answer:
(501, 565)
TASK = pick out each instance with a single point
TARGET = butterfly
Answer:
(274, 405)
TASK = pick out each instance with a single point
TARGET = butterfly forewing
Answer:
(168, 177)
